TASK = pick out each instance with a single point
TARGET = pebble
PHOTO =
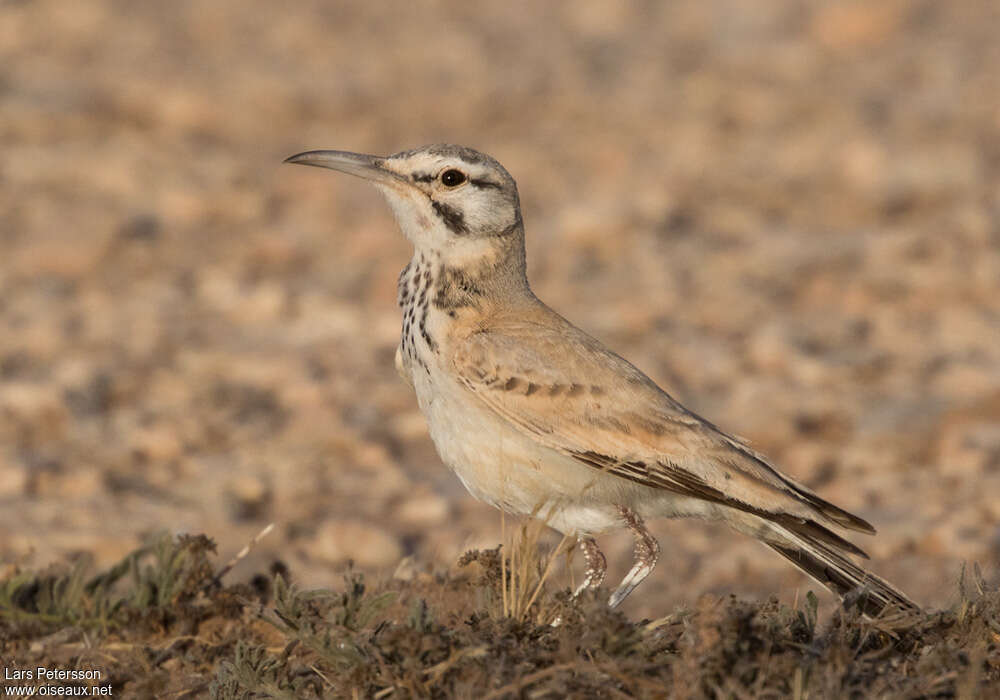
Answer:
(423, 510)
(362, 542)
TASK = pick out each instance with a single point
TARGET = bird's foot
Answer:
(647, 551)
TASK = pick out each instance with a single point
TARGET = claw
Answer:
(647, 551)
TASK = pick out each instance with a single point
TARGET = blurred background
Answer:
(787, 213)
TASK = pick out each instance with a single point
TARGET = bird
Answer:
(538, 418)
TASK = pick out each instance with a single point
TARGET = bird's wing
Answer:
(572, 395)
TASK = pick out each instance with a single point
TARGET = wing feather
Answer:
(571, 394)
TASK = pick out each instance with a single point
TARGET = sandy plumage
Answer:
(538, 418)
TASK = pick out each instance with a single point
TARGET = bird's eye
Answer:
(452, 178)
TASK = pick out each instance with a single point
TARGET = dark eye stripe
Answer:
(422, 177)
(485, 183)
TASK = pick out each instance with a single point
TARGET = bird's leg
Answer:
(647, 551)
(597, 565)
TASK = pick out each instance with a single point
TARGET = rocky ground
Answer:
(786, 214)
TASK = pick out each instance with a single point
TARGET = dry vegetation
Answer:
(160, 625)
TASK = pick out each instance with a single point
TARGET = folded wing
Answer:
(571, 394)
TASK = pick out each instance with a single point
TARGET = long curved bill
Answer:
(358, 164)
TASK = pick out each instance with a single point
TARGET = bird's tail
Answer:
(838, 573)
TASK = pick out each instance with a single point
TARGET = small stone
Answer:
(248, 496)
(13, 479)
(964, 381)
(35, 404)
(406, 570)
(156, 444)
(424, 510)
(80, 483)
(969, 448)
(367, 545)
(769, 349)
(410, 425)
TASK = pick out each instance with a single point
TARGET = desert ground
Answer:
(786, 214)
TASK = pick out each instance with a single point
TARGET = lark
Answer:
(536, 417)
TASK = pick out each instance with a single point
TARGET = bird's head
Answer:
(449, 200)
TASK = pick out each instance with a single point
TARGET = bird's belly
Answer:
(508, 469)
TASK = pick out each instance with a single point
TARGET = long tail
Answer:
(838, 573)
